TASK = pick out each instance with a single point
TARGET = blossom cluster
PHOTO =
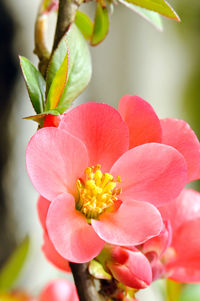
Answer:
(112, 182)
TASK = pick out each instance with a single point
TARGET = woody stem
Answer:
(84, 283)
(66, 16)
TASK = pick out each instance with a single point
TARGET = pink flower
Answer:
(137, 267)
(59, 290)
(175, 252)
(144, 126)
(129, 266)
(182, 259)
(102, 191)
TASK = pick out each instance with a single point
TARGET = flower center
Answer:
(98, 193)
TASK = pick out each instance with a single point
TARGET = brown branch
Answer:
(84, 283)
(41, 49)
(66, 16)
(40, 31)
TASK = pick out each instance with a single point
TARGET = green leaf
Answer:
(97, 271)
(173, 290)
(101, 25)
(39, 118)
(190, 292)
(58, 85)
(56, 61)
(159, 6)
(150, 16)
(84, 24)
(13, 266)
(79, 68)
(35, 84)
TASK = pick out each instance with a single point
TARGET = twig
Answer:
(66, 16)
(84, 283)
(40, 45)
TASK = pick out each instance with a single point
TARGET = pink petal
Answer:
(178, 134)
(184, 208)
(151, 172)
(185, 266)
(135, 272)
(143, 123)
(185, 275)
(59, 290)
(132, 224)
(102, 130)
(53, 256)
(73, 238)
(186, 242)
(42, 209)
(160, 243)
(158, 269)
(54, 161)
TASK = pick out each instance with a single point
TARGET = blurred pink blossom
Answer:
(182, 259)
(59, 290)
(175, 253)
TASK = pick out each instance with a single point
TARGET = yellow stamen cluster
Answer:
(97, 193)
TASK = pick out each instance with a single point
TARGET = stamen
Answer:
(98, 193)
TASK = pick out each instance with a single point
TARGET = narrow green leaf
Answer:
(58, 85)
(12, 268)
(101, 25)
(35, 84)
(84, 24)
(39, 118)
(79, 67)
(173, 290)
(160, 6)
(56, 61)
(97, 271)
(150, 16)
